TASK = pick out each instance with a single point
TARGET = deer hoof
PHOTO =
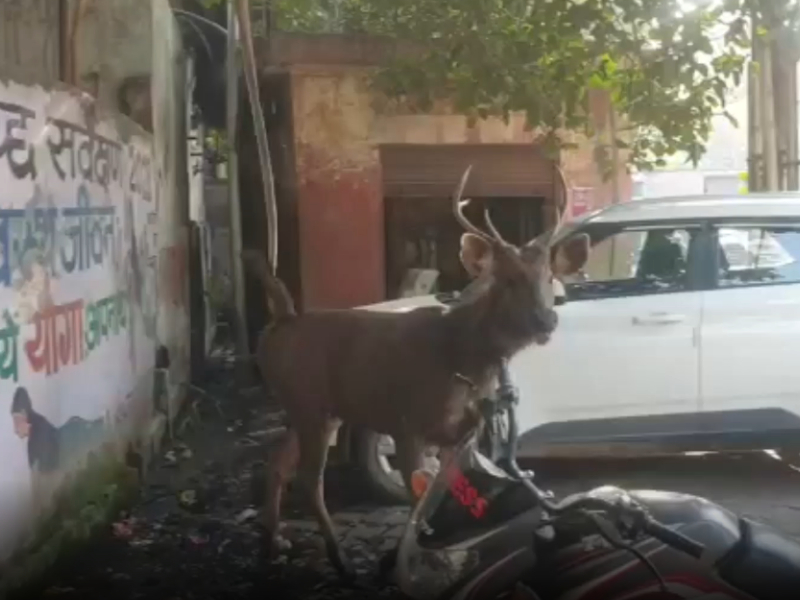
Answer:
(386, 566)
(347, 573)
(272, 544)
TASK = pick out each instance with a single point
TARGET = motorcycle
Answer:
(482, 529)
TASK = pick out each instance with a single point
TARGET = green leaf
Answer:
(667, 73)
(731, 119)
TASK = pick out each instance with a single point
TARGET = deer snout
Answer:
(547, 323)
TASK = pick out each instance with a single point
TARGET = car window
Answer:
(758, 256)
(634, 262)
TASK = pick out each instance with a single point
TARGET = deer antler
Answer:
(546, 238)
(562, 208)
(458, 211)
(458, 205)
(491, 227)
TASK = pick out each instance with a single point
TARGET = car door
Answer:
(624, 359)
(750, 336)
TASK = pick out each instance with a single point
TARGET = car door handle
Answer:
(661, 318)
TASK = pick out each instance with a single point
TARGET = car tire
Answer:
(384, 484)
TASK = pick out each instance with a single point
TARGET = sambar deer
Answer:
(417, 375)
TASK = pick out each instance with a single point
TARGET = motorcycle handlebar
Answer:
(673, 538)
(648, 524)
(581, 501)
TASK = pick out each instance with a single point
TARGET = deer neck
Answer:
(481, 336)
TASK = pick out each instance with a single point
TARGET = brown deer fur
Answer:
(412, 375)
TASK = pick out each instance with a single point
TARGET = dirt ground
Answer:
(193, 533)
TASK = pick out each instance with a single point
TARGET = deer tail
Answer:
(279, 301)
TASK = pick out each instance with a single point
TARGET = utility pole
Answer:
(234, 206)
(772, 111)
(612, 134)
(260, 126)
(767, 118)
(754, 141)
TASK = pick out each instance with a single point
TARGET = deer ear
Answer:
(570, 255)
(476, 254)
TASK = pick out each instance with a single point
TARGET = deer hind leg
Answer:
(314, 443)
(280, 470)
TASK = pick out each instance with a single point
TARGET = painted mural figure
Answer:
(42, 435)
(43, 451)
(49, 447)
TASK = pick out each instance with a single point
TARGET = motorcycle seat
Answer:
(766, 566)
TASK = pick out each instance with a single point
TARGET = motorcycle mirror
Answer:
(421, 480)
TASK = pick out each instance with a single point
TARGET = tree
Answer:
(667, 64)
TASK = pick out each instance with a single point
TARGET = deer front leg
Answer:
(280, 469)
(313, 457)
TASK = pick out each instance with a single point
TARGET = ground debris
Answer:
(246, 515)
(194, 533)
(123, 529)
(188, 498)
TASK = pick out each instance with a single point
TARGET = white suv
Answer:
(680, 334)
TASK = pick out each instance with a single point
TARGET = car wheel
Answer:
(375, 456)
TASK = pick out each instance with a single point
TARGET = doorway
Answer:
(515, 181)
(423, 238)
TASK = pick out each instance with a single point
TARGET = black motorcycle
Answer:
(482, 529)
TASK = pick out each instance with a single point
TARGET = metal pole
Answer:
(768, 120)
(754, 145)
(612, 133)
(260, 126)
(232, 109)
(769, 150)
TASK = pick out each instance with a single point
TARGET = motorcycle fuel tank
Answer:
(580, 567)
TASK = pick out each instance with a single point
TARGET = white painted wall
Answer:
(81, 341)
(658, 184)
